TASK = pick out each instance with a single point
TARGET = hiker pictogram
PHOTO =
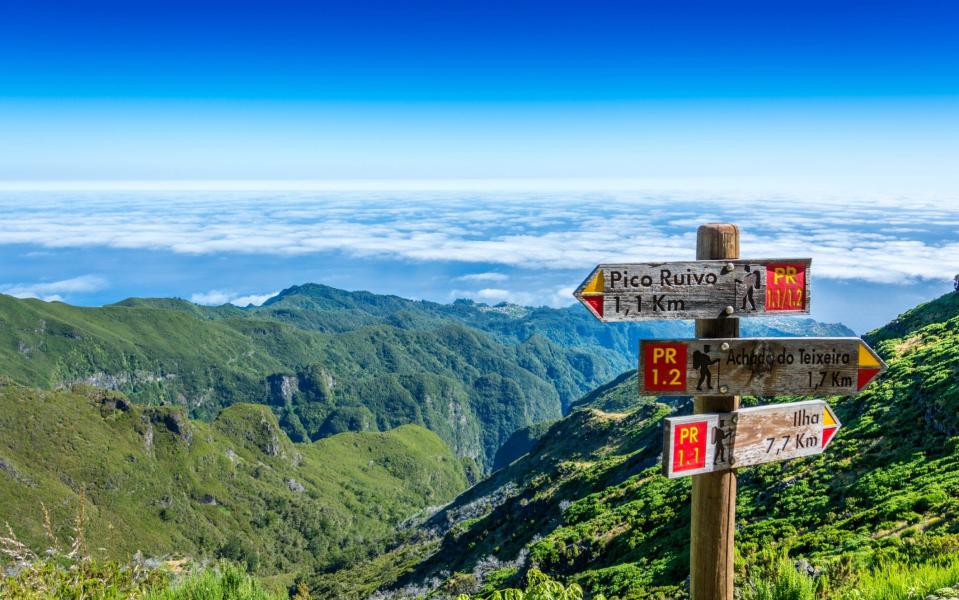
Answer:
(751, 281)
(722, 435)
(703, 362)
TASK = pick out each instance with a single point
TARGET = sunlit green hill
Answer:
(149, 479)
(587, 503)
(327, 360)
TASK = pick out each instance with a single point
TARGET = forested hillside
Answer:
(328, 361)
(878, 511)
(147, 478)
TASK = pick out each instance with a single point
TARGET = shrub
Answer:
(80, 579)
(538, 587)
(780, 580)
(226, 583)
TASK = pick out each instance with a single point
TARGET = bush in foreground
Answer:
(98, 580)
(779, 579)
(538, 587)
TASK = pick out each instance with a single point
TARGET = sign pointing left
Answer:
(697, 289)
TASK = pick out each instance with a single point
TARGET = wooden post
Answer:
(713, 518)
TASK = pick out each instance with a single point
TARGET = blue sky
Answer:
(839, 120)
(859, 95)
(477, 51)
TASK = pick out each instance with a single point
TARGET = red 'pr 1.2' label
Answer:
(664, 367)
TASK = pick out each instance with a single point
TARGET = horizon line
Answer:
(727, 184)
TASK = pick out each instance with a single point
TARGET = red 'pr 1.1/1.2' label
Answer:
(785, 287)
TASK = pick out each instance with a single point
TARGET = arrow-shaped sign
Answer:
(750, 436)
(810, 366)
(702, 289)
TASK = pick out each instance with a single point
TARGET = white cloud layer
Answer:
(483, 277)
(881, 241)
(55, 290)
(220, 297)
(553, 296)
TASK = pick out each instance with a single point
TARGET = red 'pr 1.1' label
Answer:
(689, 446)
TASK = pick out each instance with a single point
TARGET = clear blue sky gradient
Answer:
(477, 51)
(846, 93)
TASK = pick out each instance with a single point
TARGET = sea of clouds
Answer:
(487, 235)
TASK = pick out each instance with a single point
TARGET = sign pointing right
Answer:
(750, 436)
(757, 366)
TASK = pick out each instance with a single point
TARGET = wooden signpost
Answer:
(702, 289)
(757, 366)
(718, 366)
(749, 436)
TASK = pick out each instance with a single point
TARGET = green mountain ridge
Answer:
(588, 503)
(150, 479)
(374, 377)
(328, 361)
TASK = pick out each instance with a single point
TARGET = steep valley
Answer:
(588, 503)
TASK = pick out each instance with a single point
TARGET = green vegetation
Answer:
(780, 579)
(538, 587)
(519, 443)
(777, 578)
(332, 425)
(328, 361)
(229, 583)
(895, 581)
(80, 580)
(361, 365)
(149, 479)
(97, 580)
(877, 515)
(71, 574)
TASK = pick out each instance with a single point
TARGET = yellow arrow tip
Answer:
(866, 358)
(596, 286)
(827, 420)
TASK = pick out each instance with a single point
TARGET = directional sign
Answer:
(702, 289)
(750, 436)
(756, 366)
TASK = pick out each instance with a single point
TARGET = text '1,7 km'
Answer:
(706, 289)
(751, 436)
(757, 366)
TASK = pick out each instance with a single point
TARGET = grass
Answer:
(72, 574)
(98, 580)
(779, 579)
(895, 581)
(226, 583)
